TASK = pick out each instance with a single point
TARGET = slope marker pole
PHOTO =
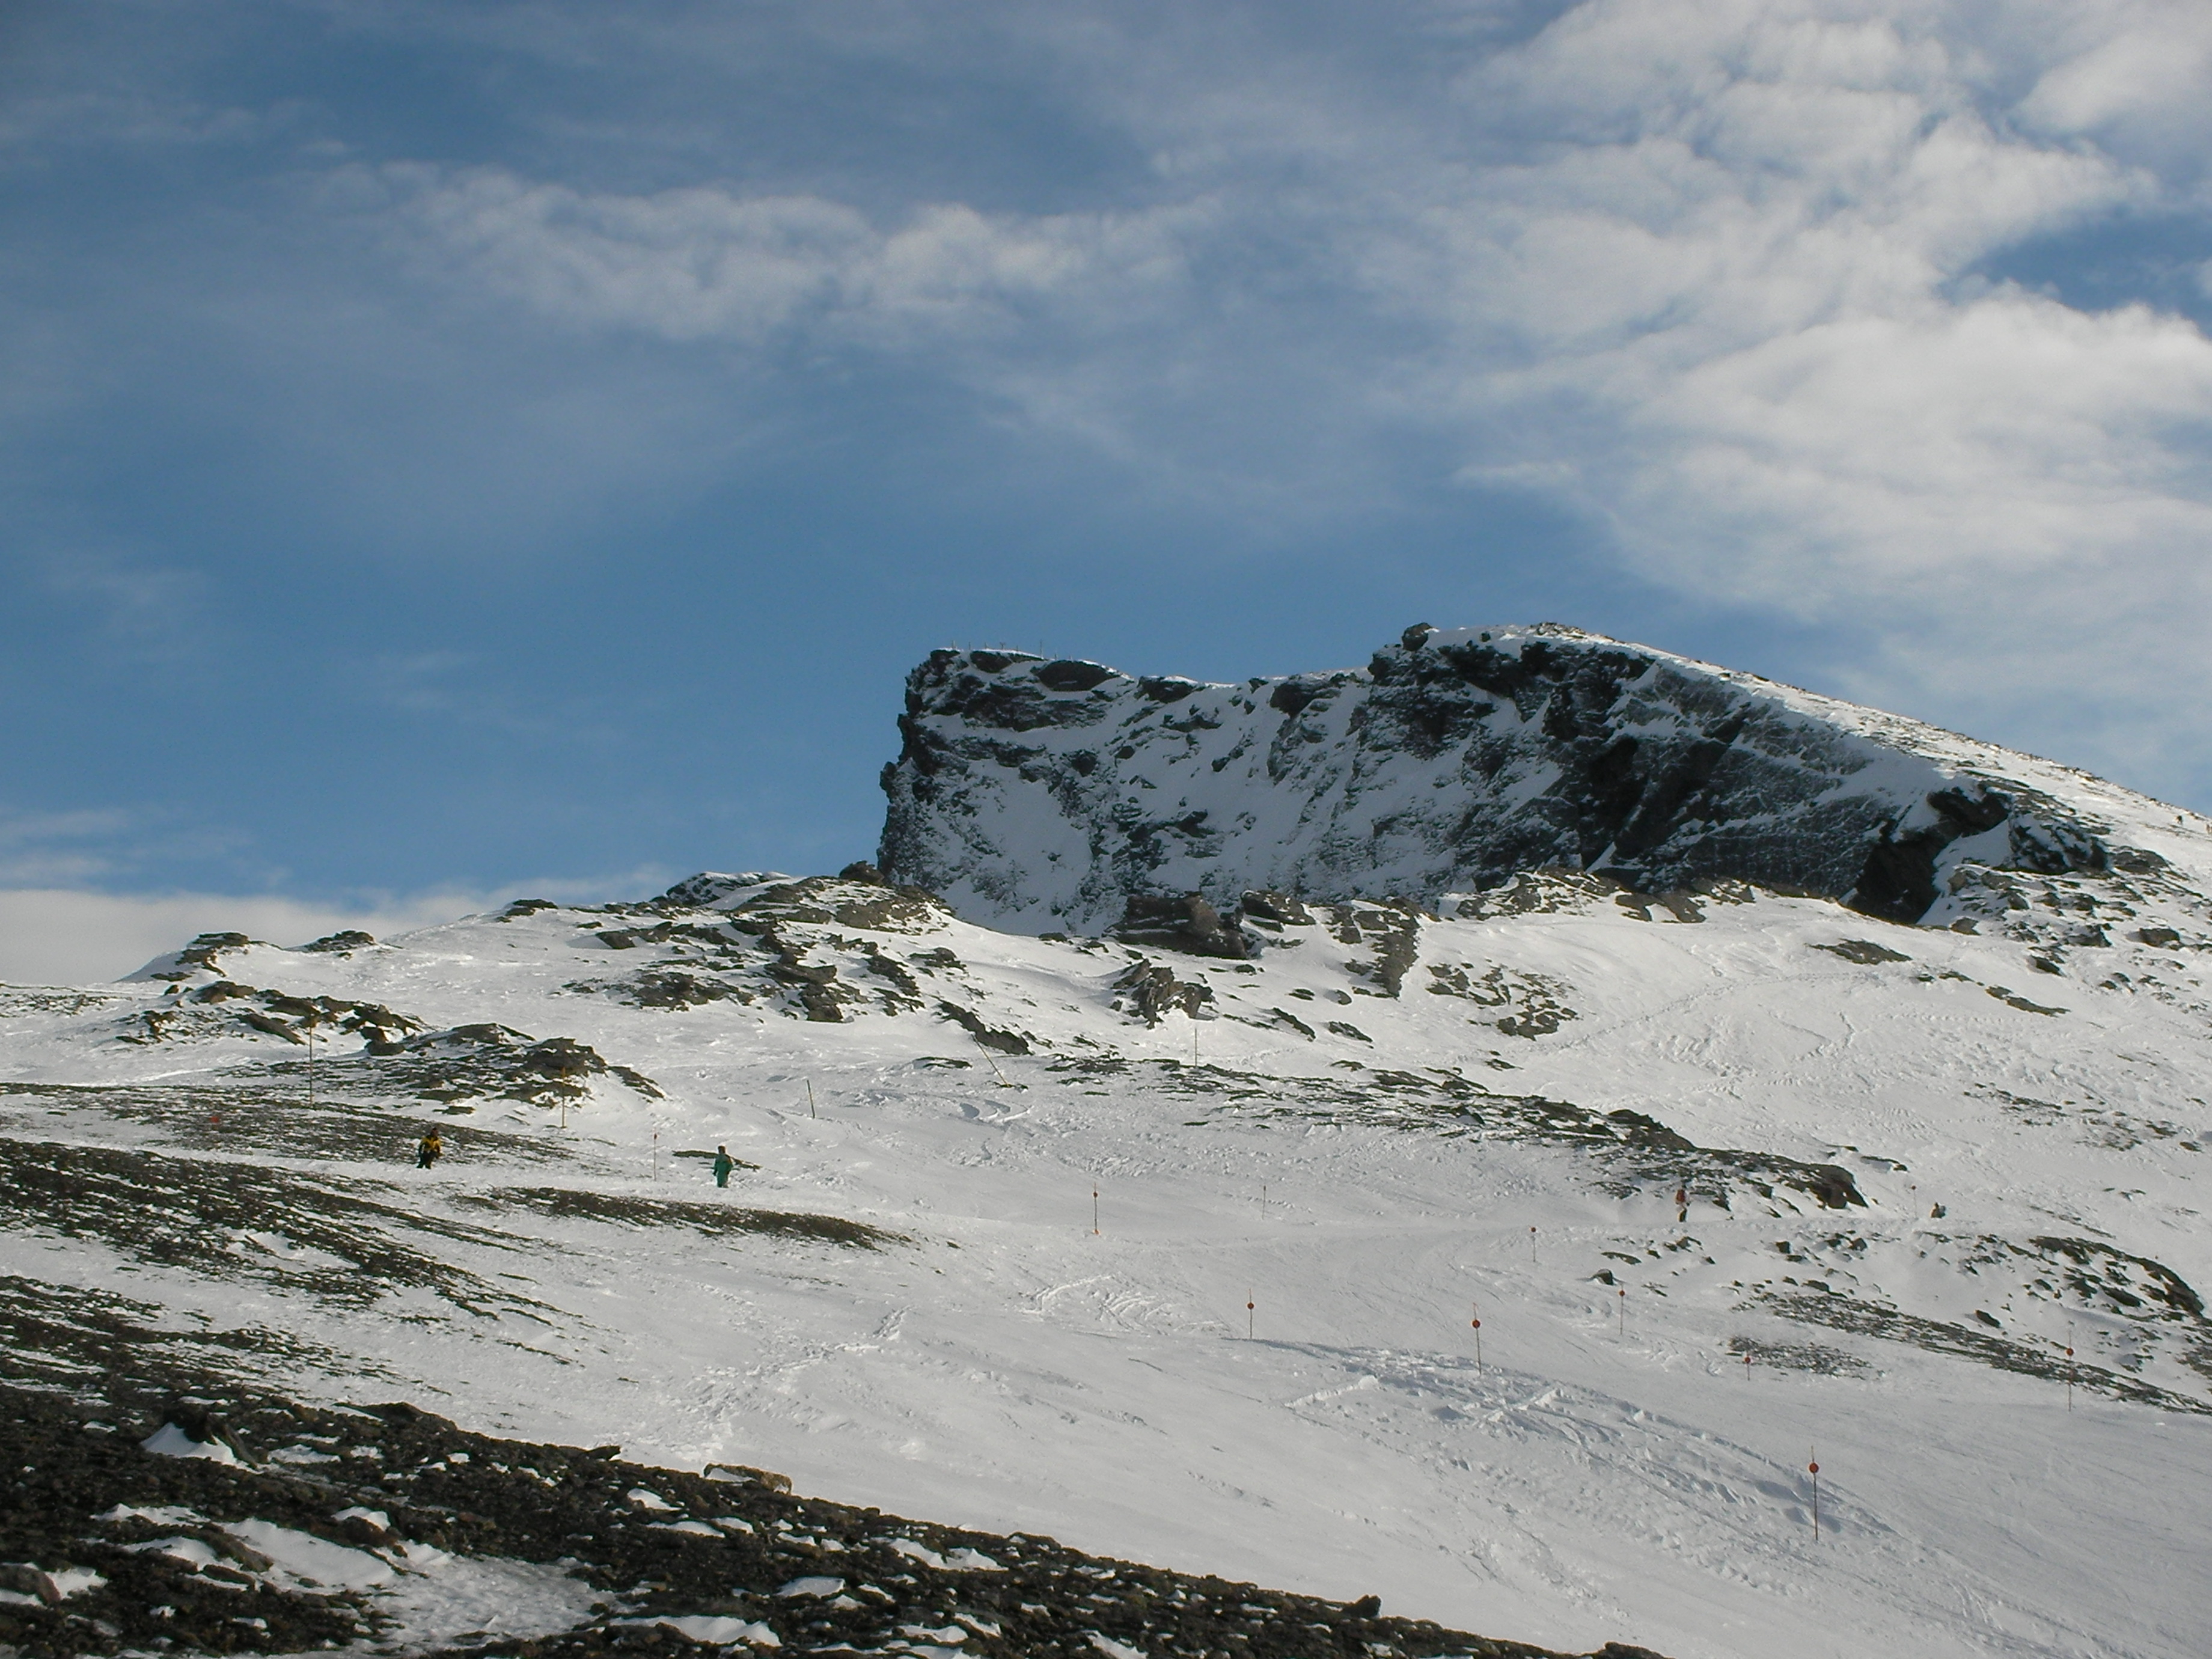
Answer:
(656, 1154)
(1622, 1293)
(1094, 1212)
(1812, 1467)
(1476, 1308)
(2069, 1365)
(810, 1112)
(1250, 1318)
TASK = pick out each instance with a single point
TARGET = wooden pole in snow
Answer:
(1812, 1466)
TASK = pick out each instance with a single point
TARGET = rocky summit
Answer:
(1037, 794)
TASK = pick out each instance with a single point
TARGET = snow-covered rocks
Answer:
(1036, 795)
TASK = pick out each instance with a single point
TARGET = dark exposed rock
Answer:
(711, 889)
(1393, 933)
(221, 1008)
(471, 1495)
(584, 1204)
(2100, 1270)
(1864, 951)
(1455, 763)
(481, 1061)
(1185, 922)
(1168, 688)
(1834, 1187)
(1006, 1043)
(1277, 908)
(674, 988)
(201, 954)
(1073, 676)
(1639, 1130)
(350, 939)
(1150, 991)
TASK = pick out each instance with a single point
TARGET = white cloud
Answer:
(708, 263)
(1705, 270)
(64, 936)
(54, 936)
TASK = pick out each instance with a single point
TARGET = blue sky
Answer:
(449, 451)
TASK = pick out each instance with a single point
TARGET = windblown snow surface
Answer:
(1916, 1163)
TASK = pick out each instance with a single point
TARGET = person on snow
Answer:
(430, 1149)
(723, 1164)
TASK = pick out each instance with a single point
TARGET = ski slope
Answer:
(1612, 1470)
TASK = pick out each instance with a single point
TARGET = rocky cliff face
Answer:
(1037, 794)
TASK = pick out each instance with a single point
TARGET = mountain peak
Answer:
(1044, 794)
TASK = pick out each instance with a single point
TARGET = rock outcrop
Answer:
(1036, 795)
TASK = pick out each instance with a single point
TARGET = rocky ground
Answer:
(162, 1512)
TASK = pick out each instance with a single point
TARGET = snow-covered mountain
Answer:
(1168, 1240)
(1036, 794)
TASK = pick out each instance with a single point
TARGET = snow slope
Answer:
(1918, 1164)
(1040, 795)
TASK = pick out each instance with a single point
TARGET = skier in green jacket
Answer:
(723, 1164)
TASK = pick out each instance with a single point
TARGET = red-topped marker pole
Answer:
(1476, 1308)
(1250, 1317)
(1813, 1469)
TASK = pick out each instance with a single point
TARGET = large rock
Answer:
(1036, 795)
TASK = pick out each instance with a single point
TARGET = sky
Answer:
(450, 452)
